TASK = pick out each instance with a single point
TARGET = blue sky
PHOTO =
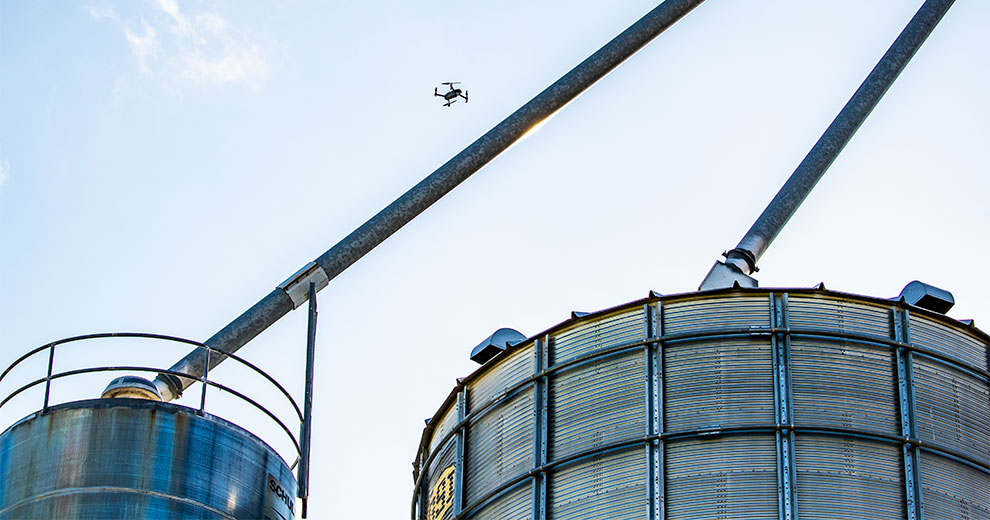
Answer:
(164, 165)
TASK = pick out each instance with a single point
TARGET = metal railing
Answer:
(51, 375)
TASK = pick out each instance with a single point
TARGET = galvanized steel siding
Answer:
(842, 385)
(716, 314)
(611, 486)
(953, 409)
(444, 425)
(951, 342)
(723, 384)
(517, 504)
(593, 334)
(953, 491)
(828, 313)
(499, 446)
(843, 478)
(722, 478)
(596, 404)
(515, 368)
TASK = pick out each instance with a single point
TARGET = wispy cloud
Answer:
(235, 65)
(4, 172)
(180, 24)
(144, 46)
(101, 12)
(198, 48)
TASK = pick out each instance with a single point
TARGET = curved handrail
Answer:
(135, 368)
(98, 335)
(256, 369)
(263, 409)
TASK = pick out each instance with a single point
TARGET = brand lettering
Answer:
(442, 495)
(276, 488)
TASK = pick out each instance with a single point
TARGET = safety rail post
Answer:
(206, 373)
(48, 378)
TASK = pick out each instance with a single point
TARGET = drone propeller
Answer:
(451, 83)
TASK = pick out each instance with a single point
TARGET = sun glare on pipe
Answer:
(533, 129)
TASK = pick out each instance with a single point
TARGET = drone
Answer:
(451, 95)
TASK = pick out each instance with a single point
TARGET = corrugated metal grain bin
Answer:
(732, 404)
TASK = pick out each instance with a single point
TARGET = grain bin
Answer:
(135, 458)
(736, 403)
(130, 455)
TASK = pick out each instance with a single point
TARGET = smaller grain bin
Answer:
(736, 403)
(135, 458)
(129, 455)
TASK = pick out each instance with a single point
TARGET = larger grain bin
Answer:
(728, 404)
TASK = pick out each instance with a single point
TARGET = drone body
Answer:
(451, 95)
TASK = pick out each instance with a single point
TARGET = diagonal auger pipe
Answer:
(373, 232)
(741, 261)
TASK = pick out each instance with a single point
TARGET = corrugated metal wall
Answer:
(516, 367)
(499, 446)
(596, 404)
(953, 409)
(841, 478)
(732, 477)
(718, 384)
(839, 385)
(742, 404)
(610, 485)
(953, 491)
(515, 504)
(593, 334)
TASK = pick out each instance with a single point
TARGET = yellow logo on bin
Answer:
(442, 495)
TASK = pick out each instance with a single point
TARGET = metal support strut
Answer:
(741, 261)
(307, 425)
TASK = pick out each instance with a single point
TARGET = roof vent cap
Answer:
(495, 344)
(927, 297)
(132, 387)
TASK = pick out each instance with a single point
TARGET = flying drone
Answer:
(451, 95)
